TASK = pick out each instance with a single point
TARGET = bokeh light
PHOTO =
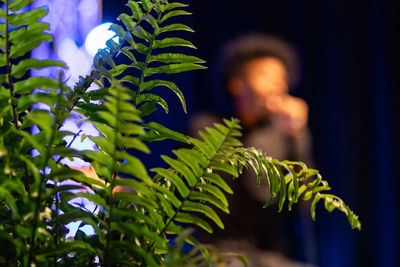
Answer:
(97, 38)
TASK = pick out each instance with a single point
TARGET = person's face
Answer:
(266, 77)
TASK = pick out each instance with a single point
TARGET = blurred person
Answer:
(257, 71)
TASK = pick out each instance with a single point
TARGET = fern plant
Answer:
(136, 217)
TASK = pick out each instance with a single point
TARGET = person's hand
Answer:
(288, 113)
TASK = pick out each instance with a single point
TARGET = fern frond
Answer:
(21, 32)
(191, 174)
(289, 185)
(142, 42)
(121, 130)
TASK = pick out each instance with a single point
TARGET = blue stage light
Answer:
(97, 38)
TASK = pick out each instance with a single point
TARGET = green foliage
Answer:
(135, 218)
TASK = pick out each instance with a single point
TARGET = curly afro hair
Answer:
(236, 53)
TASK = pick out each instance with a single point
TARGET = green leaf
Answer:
(13, 34)
(26, 46)
(18, 4)
(119, 31)
(154, 83)
(211, 141)
(141, 48)
(135, 167)
(96, 199)
(79, 177)
(174, 5)
(132, 250)
(130, 79)
(330, 204)
(147, 109)
(134, 129)
(136, 11)
(129, 54)
(138, 230)
(154, 98)
(89, 107)
(190, 160)
(137, 186)
(214, 190)
(171, 41)
(3, 60)
(127, 21)
(26, 101)
(67, 187)
(136, 199)
(130, 142)
(174, 27)
(193, 219)
(174, 13)
(23, 66)
(163, 132)
(101, 157)
(141, 33)
(31, 165)
(42, 119)
(31, 31)
(28, 17)
(206, 210)
(216, 135)
(108, 117)
(147, 5)
(317, 197)
(182, 168)
(233, 142)
(65, 248)
(138, 216)
(175, 58)
(282, 193)
(273, 181)
(222, 128)
(224, 166)
(151, 20)
(167, 207)
(11, 201)
(173, 68)
(72, 216)
(195, 195)
(98, 94)
(218, 181)
(118, 70)
(168, 195)
(295, 184)
(103, 144)
(177, 181)
(193, 158)
(30, 84)
(203, 147)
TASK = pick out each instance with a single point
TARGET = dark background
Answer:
(350, 78)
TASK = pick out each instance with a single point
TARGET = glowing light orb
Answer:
(97, 38)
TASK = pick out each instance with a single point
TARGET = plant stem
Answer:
(56, 233)
(69, 145)
(39, 197)
(11, 88)
(113, 178)
(146, 62)
(9, 65)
